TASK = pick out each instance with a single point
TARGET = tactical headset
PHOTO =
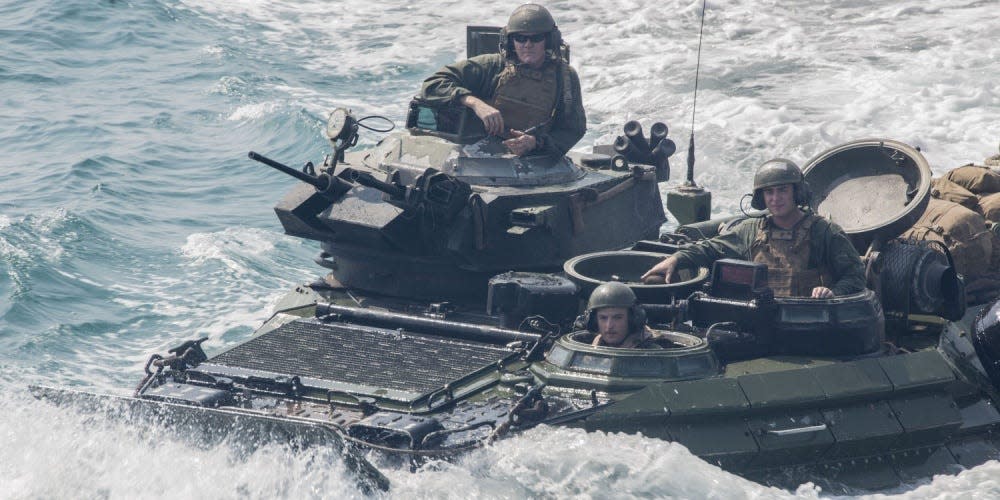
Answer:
(801, 194)
(636, 318)
(553, 43)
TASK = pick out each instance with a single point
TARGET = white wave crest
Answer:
(61, 453)
(250, 112)
(228, 246)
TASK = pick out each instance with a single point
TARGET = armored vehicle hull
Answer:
(421, 386)
(859, 391)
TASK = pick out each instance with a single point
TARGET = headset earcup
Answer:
(637, 318)
(803, 195)
(505, 42)
(555, 41)
(757, 201)
(590, 320)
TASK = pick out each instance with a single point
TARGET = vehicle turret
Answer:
(428, 215)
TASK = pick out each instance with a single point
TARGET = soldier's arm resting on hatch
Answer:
(491, 117)
(473, 76)
(732, 245)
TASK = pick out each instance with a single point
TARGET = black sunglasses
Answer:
(521, 38)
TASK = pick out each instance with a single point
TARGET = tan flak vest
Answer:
(526, 97)
(786, 253)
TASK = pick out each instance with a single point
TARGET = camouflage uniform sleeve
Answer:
(570, 122)
(732, 245)
(841, 258)
(476, 76)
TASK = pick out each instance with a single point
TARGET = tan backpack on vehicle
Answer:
(963, 231)
(944, 189)
(989, 206)
(975, 178)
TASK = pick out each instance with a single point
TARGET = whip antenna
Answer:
(697, 71)
(688, 202)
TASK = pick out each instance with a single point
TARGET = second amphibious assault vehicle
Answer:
(456, 273)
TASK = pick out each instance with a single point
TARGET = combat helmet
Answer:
(615, 294)
(775, 173)
(530, 18)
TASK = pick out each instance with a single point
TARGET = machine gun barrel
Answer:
(320, 183)
(429, 325)
(369, 180)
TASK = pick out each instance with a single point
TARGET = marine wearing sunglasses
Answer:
(526, 95)
(525, 38)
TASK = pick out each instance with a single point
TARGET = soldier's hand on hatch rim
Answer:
(520, 143)
(491, 117)
(665, 267)
(822, 292)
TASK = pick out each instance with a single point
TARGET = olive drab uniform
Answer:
(817, 252)
(550, 95)
(526, 97)
(786, 253)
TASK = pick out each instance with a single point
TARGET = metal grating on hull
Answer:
(361, 355)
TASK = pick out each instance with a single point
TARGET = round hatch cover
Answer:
(873, 188)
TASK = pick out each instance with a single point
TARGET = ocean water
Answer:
(130, 217)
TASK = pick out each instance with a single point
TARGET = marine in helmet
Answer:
(527, 94)
(616, 318)
(806, 255)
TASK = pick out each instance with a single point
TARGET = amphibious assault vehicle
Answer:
(868, 390)
(457, 272)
